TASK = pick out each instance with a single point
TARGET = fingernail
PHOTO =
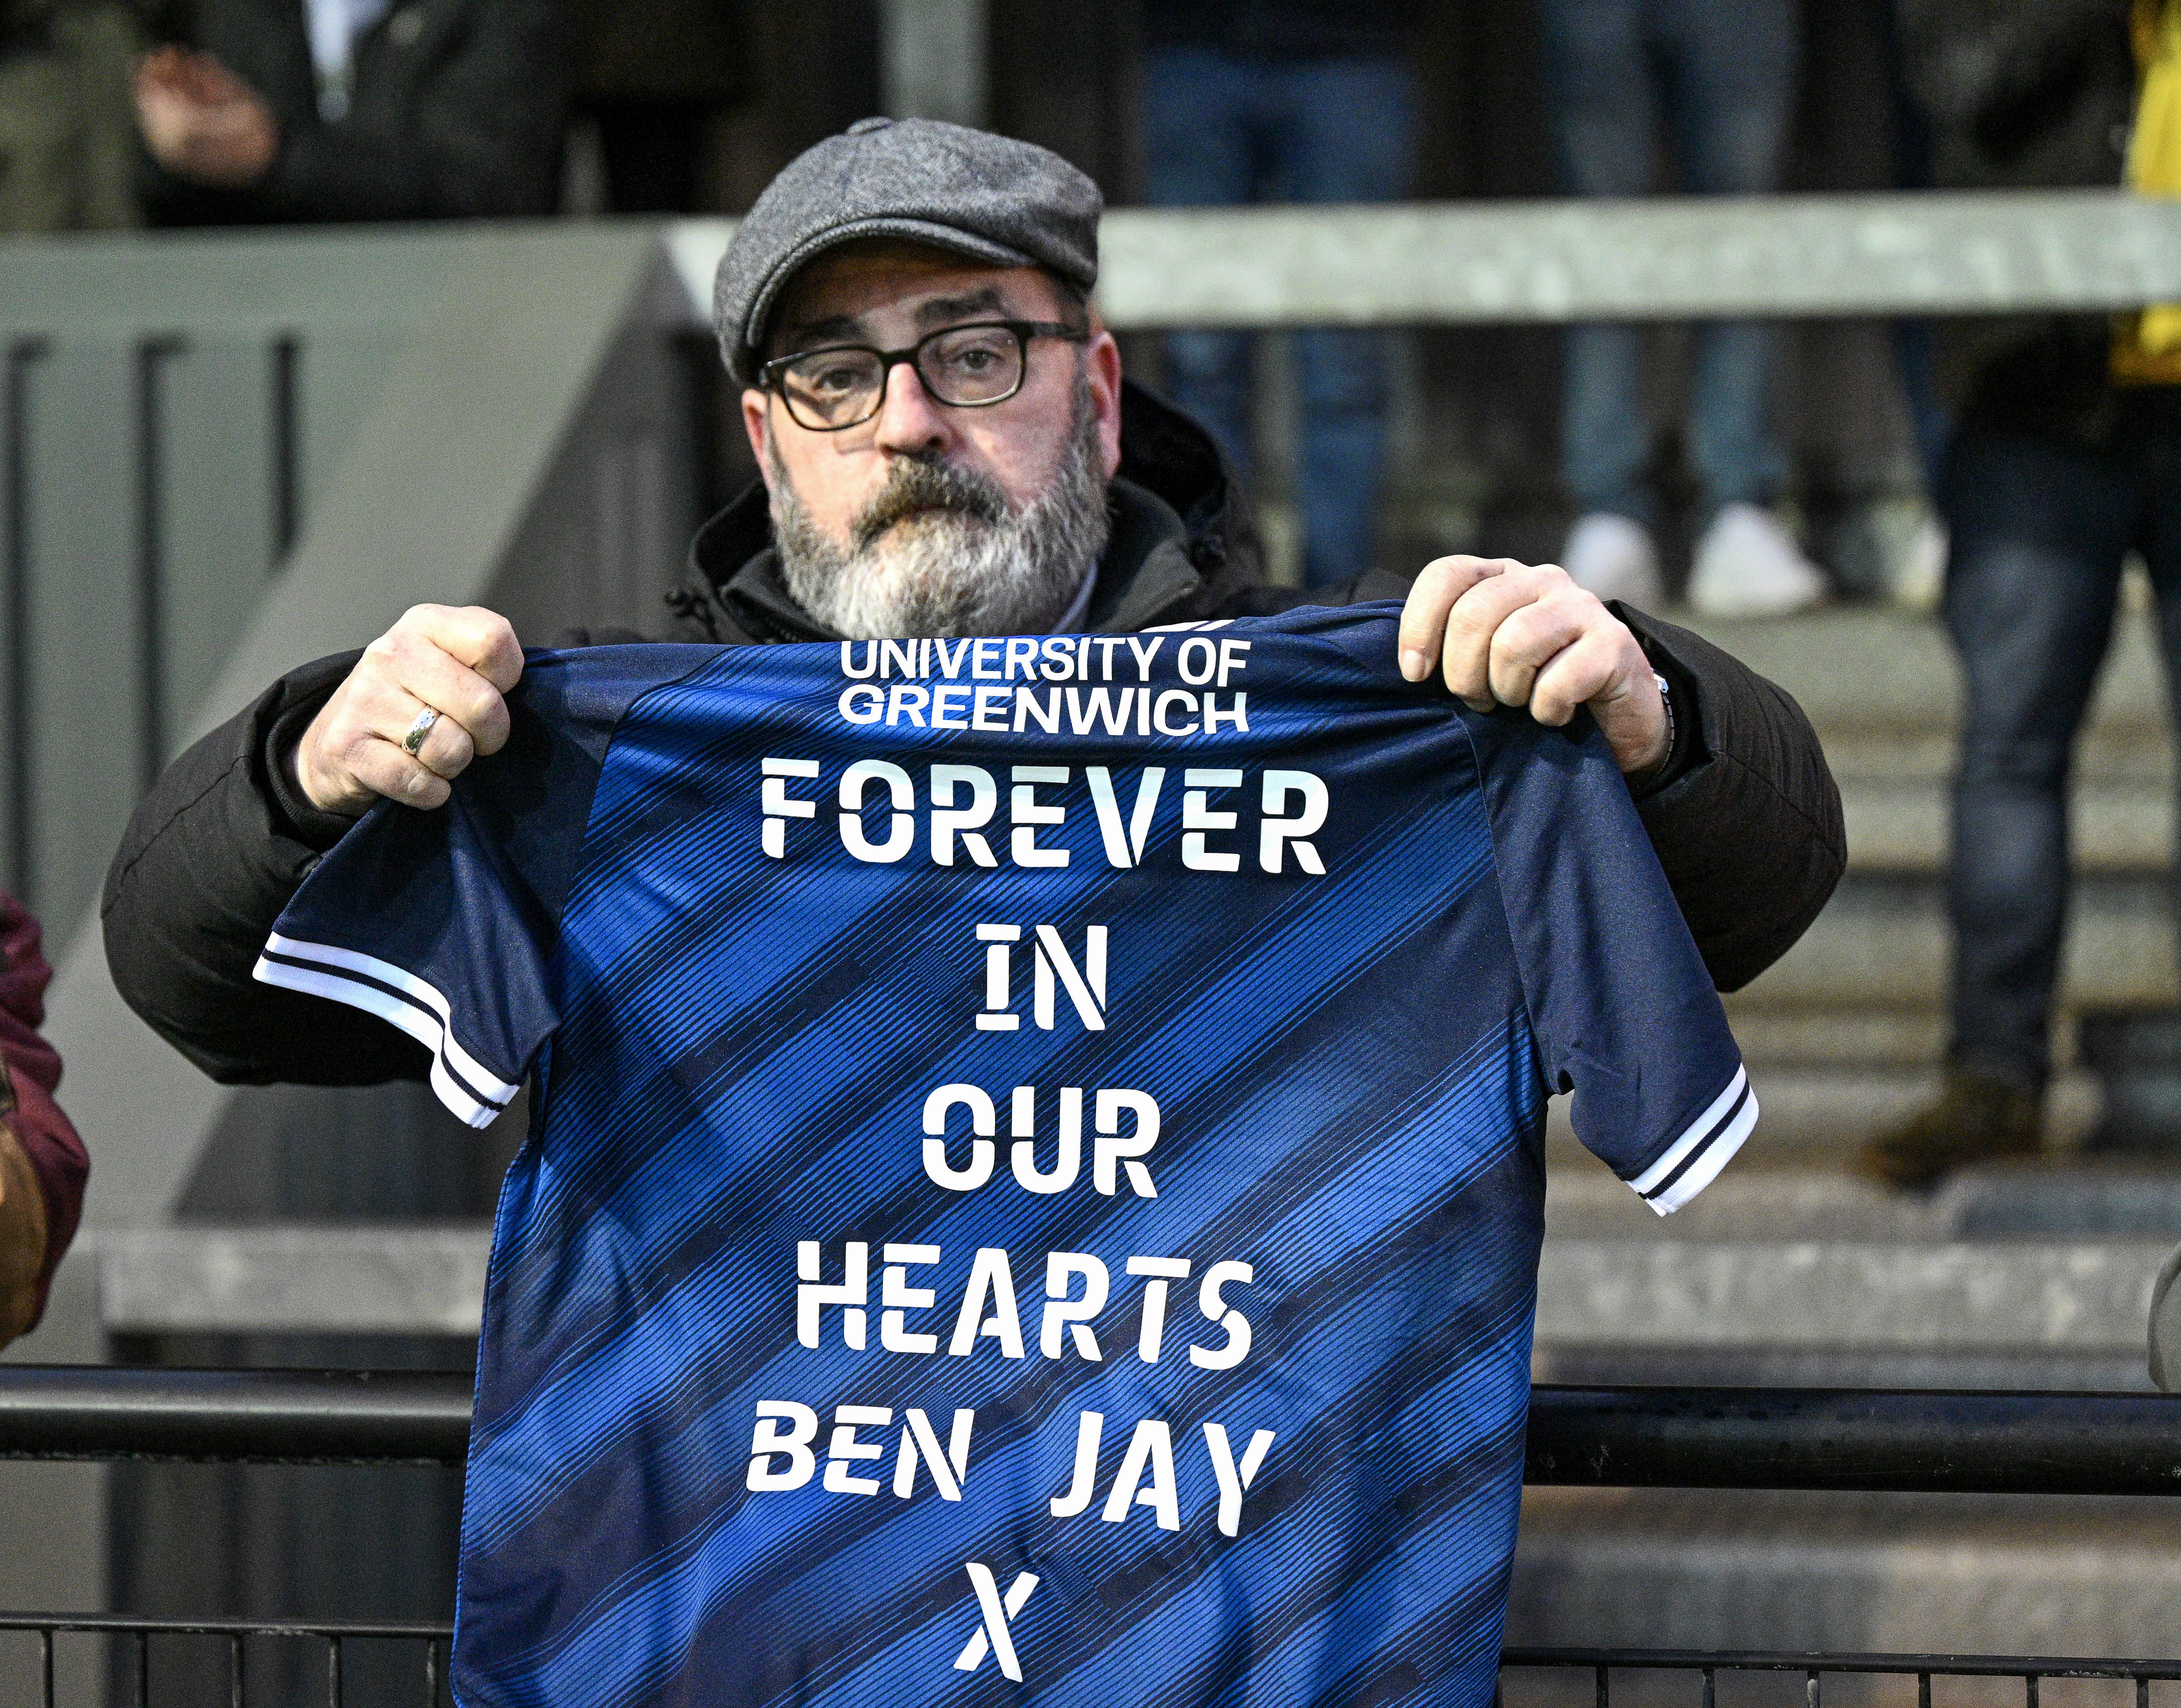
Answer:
(1413, 665)
(1477, 704)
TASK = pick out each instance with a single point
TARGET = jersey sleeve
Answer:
(445, 923)
(1623, 1011)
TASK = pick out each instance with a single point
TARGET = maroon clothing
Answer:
(29, 1072)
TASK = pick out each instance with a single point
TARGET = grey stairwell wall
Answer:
(168, 412)
(177, 413)
(146, 454)
(169, 415)
(522, 448)
(601, 539)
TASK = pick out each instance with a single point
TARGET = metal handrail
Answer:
(135, 1625)
(1600, 1662)
(1813, 1664)
(235, 1416)
(333, 1634)
(1909, 1441)
(1565, 260)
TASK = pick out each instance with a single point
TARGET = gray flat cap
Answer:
(990, 198)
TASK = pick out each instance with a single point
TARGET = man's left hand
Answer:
(1510, 633)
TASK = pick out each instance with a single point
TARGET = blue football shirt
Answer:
(1036, 1169)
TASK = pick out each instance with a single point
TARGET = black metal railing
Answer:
(1569, 1675)
(1849, 1439)
(235, 1416)
(1744, 1438)
(1705, 1666)
(336, 1639)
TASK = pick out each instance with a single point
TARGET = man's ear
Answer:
(1102, 359)
(757, 422)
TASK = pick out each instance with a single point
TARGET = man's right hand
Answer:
(201, 122)
(457, 663)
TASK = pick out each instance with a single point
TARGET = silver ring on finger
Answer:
(419, 730)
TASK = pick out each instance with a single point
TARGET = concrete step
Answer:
(1882, 945)
(2054, 1370)
(2034, 1276)
(1729, 1569)
(1881, 688)
(1863, 671)
(2062, 1297)
(1774, 1037)
(1586, 1202)
(2070, 1199)
(2107, 751)
(338, 1277)
(1902, 824)
(1827, 1113)
(1859, 1272)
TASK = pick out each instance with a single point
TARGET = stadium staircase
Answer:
(1791, 1270)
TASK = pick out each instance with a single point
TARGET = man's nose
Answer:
(910, 420)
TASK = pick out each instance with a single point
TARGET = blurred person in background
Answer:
(1286, 101)
(42, 1165)
(2066, 456)
(68, 137)
(1718, 84)
(654, 76)
(269, 112)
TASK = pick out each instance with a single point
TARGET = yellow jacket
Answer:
(2147, 344)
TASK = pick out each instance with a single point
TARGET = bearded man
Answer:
(948, 448)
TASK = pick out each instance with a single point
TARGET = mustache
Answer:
(913, 487)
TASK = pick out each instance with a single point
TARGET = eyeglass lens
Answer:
(964, 366)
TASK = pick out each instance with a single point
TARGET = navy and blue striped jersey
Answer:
(1036, 1165)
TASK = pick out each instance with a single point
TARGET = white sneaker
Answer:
(1748, 565)
(1613, 557)
(1919, 578)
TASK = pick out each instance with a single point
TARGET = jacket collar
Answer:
(1175, 547)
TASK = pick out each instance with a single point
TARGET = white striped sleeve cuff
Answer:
(1705, 1146)
(463, 1084)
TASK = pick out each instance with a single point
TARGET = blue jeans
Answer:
(1222, 129)
(1723, 74)
(2038, 529)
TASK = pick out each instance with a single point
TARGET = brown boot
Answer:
(1976, 1119)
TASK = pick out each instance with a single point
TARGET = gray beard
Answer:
(941, 552)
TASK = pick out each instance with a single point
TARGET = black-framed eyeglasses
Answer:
(843, 385)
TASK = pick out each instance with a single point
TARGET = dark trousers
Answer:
(1222, 129)
(1721, 76)
(2040, 529)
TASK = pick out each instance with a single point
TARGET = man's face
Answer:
(920, 487)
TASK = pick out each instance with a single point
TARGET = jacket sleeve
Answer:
(30, 1073)
(212, 856)
(464, 124)
(1744, 816)
(482, 138)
